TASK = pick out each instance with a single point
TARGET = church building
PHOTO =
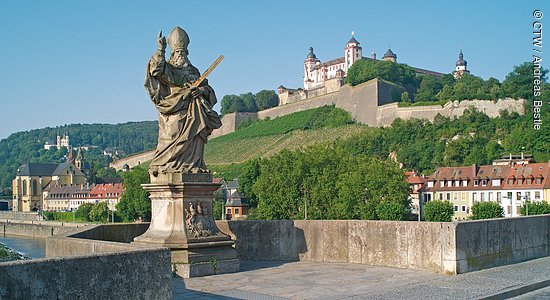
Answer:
(33, 180)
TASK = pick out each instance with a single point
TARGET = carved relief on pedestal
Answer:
(198, 220)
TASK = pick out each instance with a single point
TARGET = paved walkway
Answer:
(311, 280)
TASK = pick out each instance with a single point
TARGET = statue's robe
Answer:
(184, 122)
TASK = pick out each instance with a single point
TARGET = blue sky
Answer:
(70, 62)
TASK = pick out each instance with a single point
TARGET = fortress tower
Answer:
(352, 53)
(461, 66)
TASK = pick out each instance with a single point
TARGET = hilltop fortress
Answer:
(372, 103)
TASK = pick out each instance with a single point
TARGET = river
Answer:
(27, 246)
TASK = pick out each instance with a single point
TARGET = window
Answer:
(34, 187)
(529, 180)
(236, 211)
(457, 183)
(476, 182)
(482, 196)
(449, 183)
(528, 195)
(464, 196)
(463, 207)
(499, 196)
(456, 207)
(430, 184)
(442, 183)
(229, 210)
(538, 180)
(464, 182)
(448, 196)
(537, 195)
(510, 181)
(455, 196)
(495, 182)
(490, 196)
(518, 196)
(440, 196)
(24, 183)
(474, 197)
(484, 182)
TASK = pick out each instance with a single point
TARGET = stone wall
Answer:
(133, 160)
(230, 122)
(95, 239)
(453, 248)
(387, 113)
(19, 216)
(134, 274)
(37, 230)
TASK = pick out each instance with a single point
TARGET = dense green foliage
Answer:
(249, 102)
(99, 212)
(328, 182)
(535, 208)
(393, 211)
(438, 211)
(486, 210)
(27, 146)
(365, 70)
(134, 203)
(83, 212)
(62, 216)
(426, 88)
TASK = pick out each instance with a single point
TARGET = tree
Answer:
(134, 203)
(249, 101)
(486, 210)
(365, 70)
(232, 103)
(99, 212)
(266, 99)
(247, 180)
(429, 87)
(518, 84)
(83, 212)
(393, 211)
(405, 97)
(438, 211)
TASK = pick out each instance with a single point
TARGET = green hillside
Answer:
(28, 146)
(267, 137)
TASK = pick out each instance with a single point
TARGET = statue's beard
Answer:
(179, 61)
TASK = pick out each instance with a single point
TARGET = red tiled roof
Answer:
(101, 190)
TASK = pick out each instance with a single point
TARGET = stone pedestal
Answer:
(182, 220)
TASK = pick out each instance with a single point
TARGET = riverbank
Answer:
(8, 254)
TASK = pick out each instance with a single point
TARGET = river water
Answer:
(27, 246)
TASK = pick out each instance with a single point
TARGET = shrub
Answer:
(535, 208)
(438, 211)
(487, 210)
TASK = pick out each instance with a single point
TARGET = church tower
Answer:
(79, 160)
(461, 66)
(352, 53)
(310, 74)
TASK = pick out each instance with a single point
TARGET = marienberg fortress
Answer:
(372, 103)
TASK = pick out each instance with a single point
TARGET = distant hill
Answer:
(27, 146)
(268, 137)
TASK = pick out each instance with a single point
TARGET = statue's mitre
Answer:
(178, 39)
